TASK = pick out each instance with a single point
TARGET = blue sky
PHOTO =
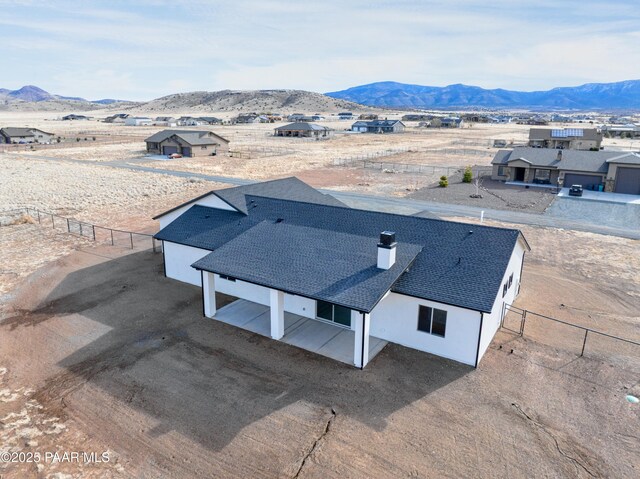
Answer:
(144, 49)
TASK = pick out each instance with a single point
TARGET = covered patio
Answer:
(317, 336)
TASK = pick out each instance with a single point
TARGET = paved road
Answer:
(392, 205)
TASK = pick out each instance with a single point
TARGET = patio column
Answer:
(361, 341)
(209, 293)
(277, 313)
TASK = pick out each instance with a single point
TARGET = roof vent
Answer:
(559, 155)
(279, 220)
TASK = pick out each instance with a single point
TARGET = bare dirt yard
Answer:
(492, 194)
(100, 353)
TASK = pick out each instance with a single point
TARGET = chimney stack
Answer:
(387, 250)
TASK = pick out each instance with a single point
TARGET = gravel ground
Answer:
(495, 195)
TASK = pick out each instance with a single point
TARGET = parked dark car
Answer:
(575, 190)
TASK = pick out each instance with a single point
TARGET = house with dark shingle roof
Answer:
(378, 126)
(294, 256)
(303, 130)
(566, 138)
(188, 143)
(24, 135)
(610, 171)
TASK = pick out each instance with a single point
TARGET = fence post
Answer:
(131, 238)
(111, 236)
(80, 223)
(53, 223)
(584, 343)
(93, 227)
(68, 226)
(38, 211)
(522, 324)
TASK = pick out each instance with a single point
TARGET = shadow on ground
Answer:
(204, 379)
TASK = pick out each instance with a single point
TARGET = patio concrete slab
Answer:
(312, 335)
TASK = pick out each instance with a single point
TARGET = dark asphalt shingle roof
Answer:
(626, 158)
(302, 126)
(326, 265)
(12, 131)
(286, 188)
(460, 264)
(377, 123)
(290, 188)
(188, 136)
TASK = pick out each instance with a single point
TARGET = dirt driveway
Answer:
(102, 353)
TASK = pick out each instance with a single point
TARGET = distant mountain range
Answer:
(620, 95)
(31, 93)
(593, 96)
(249, 101)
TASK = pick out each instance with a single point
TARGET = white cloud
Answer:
(149, 48)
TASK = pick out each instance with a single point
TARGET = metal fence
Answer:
(99, 234)
(249, 152)
(562, 334)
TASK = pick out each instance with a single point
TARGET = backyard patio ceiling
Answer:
(320, 264)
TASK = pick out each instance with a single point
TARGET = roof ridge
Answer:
(385, 213)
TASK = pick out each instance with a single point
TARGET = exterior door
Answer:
(519, 175)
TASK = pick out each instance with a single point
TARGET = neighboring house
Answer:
(117, 118)
(345, 115)
(566, 138)
(378, 126)
(368, 116)
(25, 135)
(210, 120)
(451, 122)
(296, 117)
(138, 121)
(74, 117)
(303, 130)
(187, 143)
(416, 117)
(476, 118)
(317, 118)
(247, 118)
(621, 131)
(610, 171)
(293, 255)
(165, 121)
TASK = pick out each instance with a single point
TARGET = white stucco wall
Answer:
(395, 319)
(178, 260)
(259, 294)
(491, 322)
(211, 200)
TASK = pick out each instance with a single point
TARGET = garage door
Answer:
(628, 181)
(588, 182)
(169, 150)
